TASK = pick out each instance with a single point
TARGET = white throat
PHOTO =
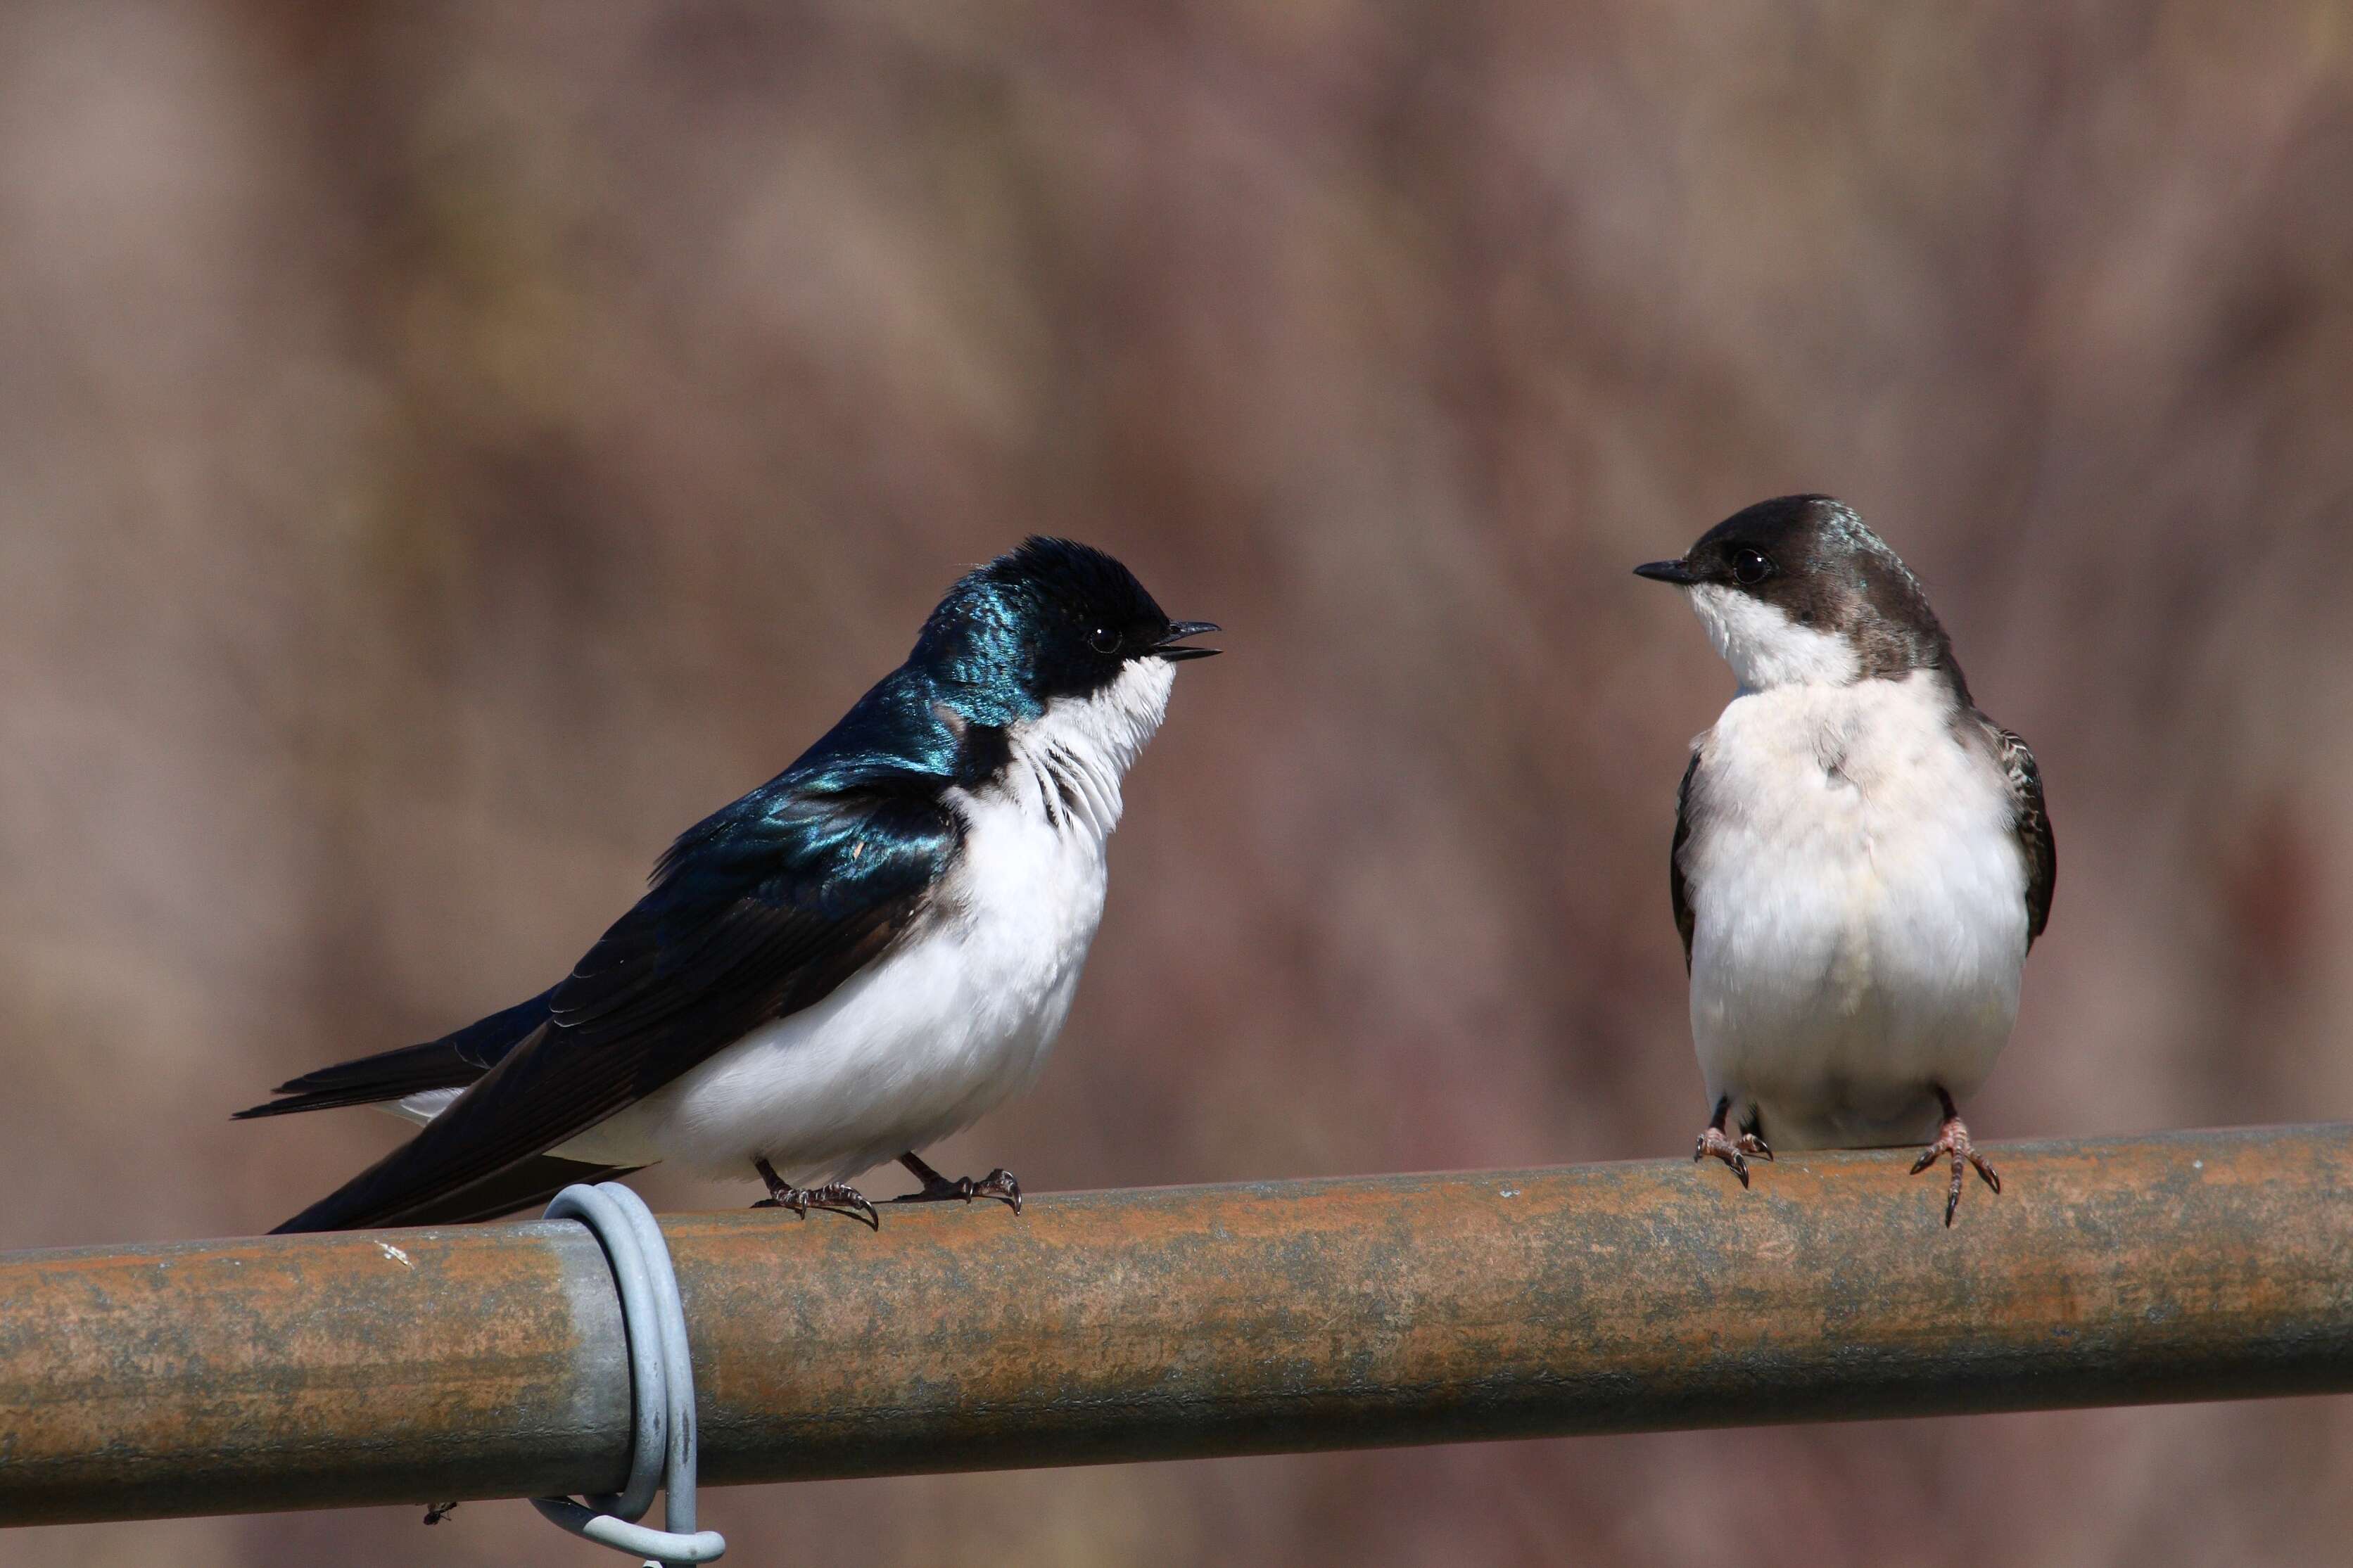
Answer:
(1765, 647)
(1082, 747)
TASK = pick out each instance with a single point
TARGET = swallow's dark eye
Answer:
(1103, 640)
(1750, 567)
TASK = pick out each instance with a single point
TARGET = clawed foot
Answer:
(832, 1198)
(937, 1189)
(1712, 1141)
(1953, 1140)
(998, 1185)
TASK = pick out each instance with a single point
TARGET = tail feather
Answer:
(452, 1061)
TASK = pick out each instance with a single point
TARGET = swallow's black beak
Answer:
(1178, 632)
(1679, 573)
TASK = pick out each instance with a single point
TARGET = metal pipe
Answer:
(303, 1371)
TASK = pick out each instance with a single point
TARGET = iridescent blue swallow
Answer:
(859, 958)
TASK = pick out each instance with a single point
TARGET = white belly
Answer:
(914, 1049)
(919, 1045)
(1859, 913)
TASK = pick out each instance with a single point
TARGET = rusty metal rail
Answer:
(305, 1372)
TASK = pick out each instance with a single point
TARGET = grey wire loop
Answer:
(661, 1388)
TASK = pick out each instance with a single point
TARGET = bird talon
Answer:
(1712, 1141)
(833, 1197)
(1953, 1142)
(999, 1184)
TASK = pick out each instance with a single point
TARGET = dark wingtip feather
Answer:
(452, 1061)
(329, 1099)
(523, 1186)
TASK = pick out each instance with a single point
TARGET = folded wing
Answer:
(758, 913)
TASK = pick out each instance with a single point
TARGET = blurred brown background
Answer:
(445, 449)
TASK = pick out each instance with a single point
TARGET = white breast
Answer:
(1859, 911)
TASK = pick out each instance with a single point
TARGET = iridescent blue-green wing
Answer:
(760, 911)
